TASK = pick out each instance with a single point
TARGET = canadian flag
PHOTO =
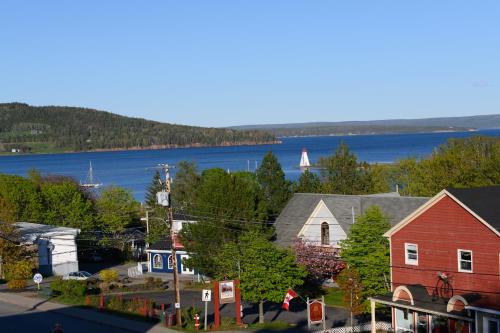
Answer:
(288, 297)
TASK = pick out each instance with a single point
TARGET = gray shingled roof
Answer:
(300, 207)
(484, 201)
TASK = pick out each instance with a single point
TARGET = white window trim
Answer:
(408, 261)
(161, 262)
(170, 263)
(485, 324)
(459, 259)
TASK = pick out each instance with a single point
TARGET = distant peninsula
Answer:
(48, 129)
(389, 126)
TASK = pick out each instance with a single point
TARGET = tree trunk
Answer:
(261, 312)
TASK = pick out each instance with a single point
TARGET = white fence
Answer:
(136, 270)
(380, 325)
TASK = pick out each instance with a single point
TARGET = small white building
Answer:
(57, 251)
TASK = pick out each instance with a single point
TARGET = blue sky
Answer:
(221, 63)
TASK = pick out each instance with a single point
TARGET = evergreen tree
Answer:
(343, 174)
(154, 187)
(275, 188)
(308, 182)
(224, 206)
(185, 185)
(367, 251)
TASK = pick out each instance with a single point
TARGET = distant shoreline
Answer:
(136, 148)
(381, 133)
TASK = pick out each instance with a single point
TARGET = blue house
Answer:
(160, 258)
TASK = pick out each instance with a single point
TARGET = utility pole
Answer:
(170, 218)
(146, 219)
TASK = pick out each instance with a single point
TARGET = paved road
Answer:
(335, 316)
(16, 319)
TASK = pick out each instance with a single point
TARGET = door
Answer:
(184, 268)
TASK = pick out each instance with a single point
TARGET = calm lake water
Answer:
(134, 169)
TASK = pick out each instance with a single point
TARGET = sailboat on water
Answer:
(90, 182)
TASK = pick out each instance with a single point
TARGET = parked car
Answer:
(80, 275)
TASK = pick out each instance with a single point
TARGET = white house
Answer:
(325, 219)
(56, 246)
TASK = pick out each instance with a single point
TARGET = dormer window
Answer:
(411, 254)
(325, 234)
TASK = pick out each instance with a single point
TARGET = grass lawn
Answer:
(334, 297)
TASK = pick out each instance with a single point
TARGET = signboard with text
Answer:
(226, 292)
(316, 312)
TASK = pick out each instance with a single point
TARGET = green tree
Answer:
(469, 162)
(265, 271)
(224, 205)
(349, 282)
(156, 213)
(367, 251)
(154, 187)
(342, 173)
(66, 205)
(23, 198)
(10, 251)
(185, 184)
(308, 182)
(116, 209)
(275, 188)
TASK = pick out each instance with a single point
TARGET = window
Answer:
(411, 254)
(465, 261)
(170, 262)
(491, 325)
(325, 234)
(157, 261)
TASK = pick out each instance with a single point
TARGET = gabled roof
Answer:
(164, 243)
(300, 207)
(482, 202)
(29, 232)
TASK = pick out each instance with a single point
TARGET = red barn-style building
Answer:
(445, 265)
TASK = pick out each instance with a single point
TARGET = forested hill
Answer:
(380, 126)
(59, 128)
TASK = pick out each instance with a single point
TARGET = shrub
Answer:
(150, 281)
(117, 304)
(109, 275)
(16, 284)
(19, 270)
(69, 288)
(188, 316)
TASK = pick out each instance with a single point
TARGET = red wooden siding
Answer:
(440, 232)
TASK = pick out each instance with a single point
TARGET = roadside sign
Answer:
(206, 295)
(177, 305)
(37, 278)
(316, 312)
(226, 290)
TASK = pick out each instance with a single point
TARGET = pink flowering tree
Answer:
(322, 262)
